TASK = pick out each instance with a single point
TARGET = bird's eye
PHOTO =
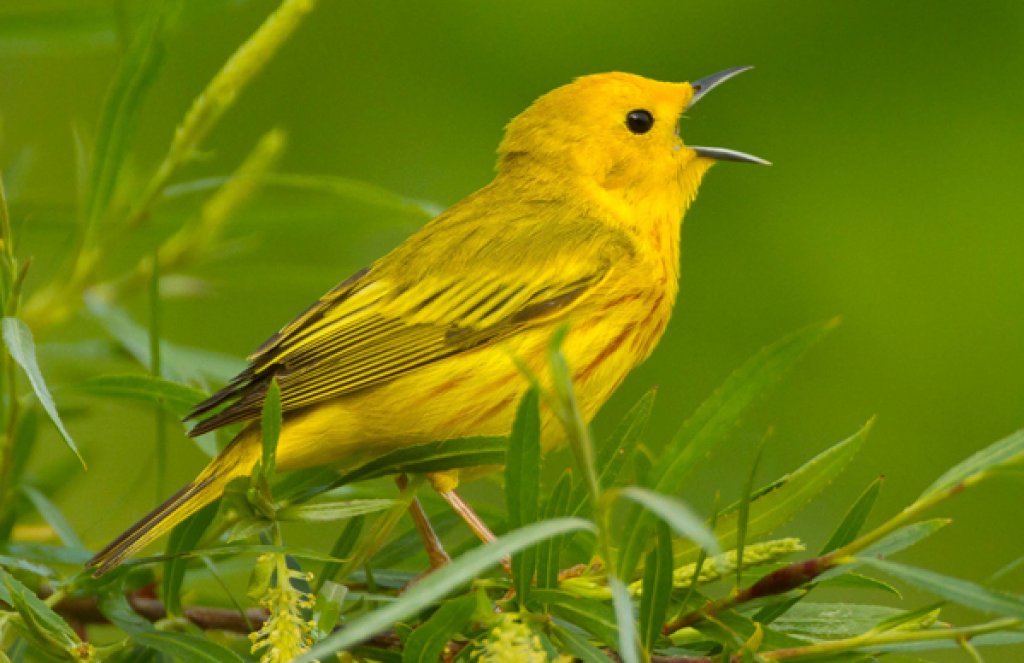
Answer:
(639, 121)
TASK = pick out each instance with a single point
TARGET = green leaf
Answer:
(115, 607)
(853, 521)
(180, 364)
(177, 398)
(576, 645)
(442, 582)
(18, 339)
(953, 589)
(858, 581)
(428, 640)
(656, 588)
(833, 620)
(549, 552)
(119, 119)
(623, 605)
(522, 486)
(904, 537)
(186, 647)
(743, 512)
(432, 457)
(327, 511)
(595, 617)
(270, 428)
(1007, 451)
(714, 419)
(53, 517)
(44, 625)
(917, 618)
(617, 451)
(183, 538)
(790, 495)
(676, 514)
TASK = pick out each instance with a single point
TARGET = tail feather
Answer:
(207, 487)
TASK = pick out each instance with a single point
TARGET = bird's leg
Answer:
(445, 484)
(474, 521)
(435, 549)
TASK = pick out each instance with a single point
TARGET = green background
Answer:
(895, 201)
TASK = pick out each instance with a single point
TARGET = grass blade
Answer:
(443, 582)
(549, 553)
(18, 339)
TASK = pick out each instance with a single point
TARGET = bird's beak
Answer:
(701, 87)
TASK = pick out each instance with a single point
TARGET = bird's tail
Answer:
(234, 461)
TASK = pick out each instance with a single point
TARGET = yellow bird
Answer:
(580, 225)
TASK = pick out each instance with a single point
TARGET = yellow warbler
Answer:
(580, 225)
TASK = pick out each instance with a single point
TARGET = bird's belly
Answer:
(471, 394)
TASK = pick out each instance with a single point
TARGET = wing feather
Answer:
(380, 324)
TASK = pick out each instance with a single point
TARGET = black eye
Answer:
(639, 121)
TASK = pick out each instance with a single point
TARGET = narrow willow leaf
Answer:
(176, 397)
(858, 581)
(833, 620)
(676, 514)
(329, 511)
(341, 187)
(119, 119)
(576, 645)
(595, 617)
(53, 517)
(186, 647)
(953, 589)
(180, 364)
(917, 618)
(432, 457)
(428, 640)
(1007, 451)
(743, 513)
(656, 588)
(853, 521)
(623, 605)
(617, 451)
(115, 607)
(18, 339)
(714, 419)
(522, 486)
(409, 544)
(442, 582)
(270, 428)
(904, 537)
(790, 496)
(549, 553)
(183, 538)
(40, 622)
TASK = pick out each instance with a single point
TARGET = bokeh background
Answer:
(896, 131)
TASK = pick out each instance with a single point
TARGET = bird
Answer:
(579, 228)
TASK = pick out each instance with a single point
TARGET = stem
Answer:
(799, 574)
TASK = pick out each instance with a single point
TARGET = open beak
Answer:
(701, 87)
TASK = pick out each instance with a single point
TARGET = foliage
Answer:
(606, 561)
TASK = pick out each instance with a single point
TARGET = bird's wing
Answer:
(416, 307)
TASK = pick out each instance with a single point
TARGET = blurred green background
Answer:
(895, 201)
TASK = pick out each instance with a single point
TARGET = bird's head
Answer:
(618, 130)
